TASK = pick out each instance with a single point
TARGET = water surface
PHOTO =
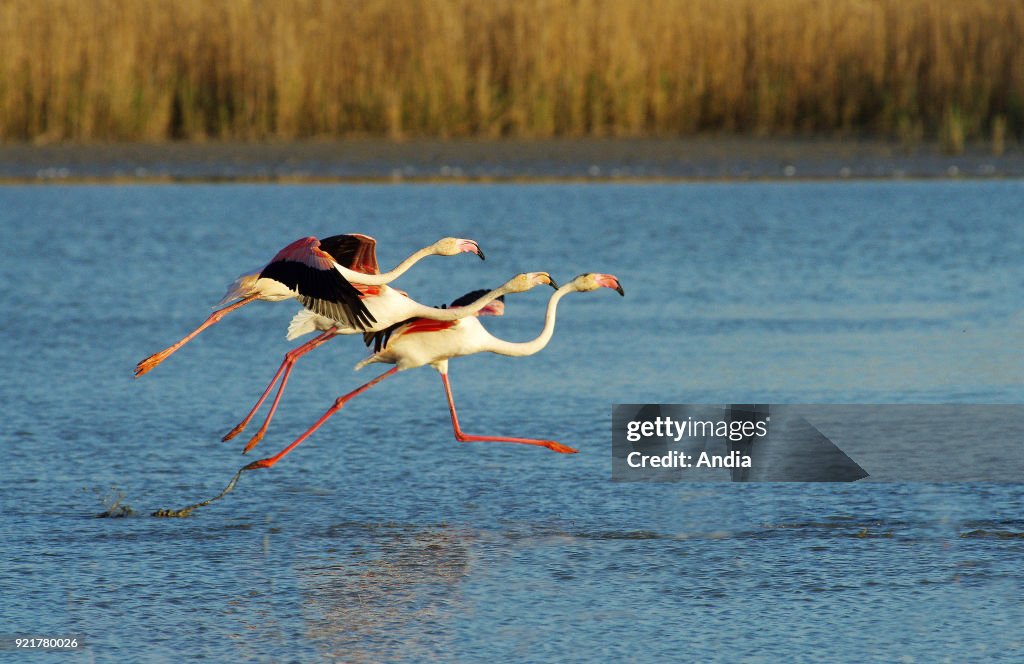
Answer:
(383, 538)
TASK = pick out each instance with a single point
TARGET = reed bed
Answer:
(99, 70)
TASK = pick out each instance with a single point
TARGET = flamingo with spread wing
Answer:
(326, 276)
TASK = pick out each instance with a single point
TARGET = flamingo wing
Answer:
(380, 338)
(309, 271)
(419, 325)
(355, 251)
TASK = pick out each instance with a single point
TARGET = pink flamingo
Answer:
(320, 274)
(419, 341)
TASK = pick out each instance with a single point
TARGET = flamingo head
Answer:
(451, 246)
(594, 280)
(527, 280)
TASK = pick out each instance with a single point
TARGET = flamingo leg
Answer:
(467, 438)
(153, 360)
(280, 390)
(286, 368)
(338, 403)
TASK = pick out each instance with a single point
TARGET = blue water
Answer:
(382, 538)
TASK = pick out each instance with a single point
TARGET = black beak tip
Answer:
(553, 283)
(480, 253)
(620, 291)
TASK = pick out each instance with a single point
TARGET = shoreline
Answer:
(700, 159)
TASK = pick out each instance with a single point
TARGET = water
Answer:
(383, 538)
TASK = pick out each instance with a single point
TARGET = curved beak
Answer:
(552, 282)
(611, 281)
(469, 246)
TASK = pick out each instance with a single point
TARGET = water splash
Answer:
(113, 500)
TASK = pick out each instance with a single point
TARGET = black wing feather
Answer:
(342, 248)
(381, 338)
(471, 297)
(324, 292)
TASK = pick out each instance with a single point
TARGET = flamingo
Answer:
(320, 274)
(419, 341)
(390, 308)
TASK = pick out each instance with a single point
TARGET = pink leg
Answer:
(153, 360)
(280, 391)
(286, 368)
(339, 402)
(466, 438)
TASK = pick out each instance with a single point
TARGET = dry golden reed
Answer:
(152, 70)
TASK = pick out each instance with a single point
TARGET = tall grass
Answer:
(252, 69)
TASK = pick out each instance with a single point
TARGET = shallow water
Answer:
(383, 538)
